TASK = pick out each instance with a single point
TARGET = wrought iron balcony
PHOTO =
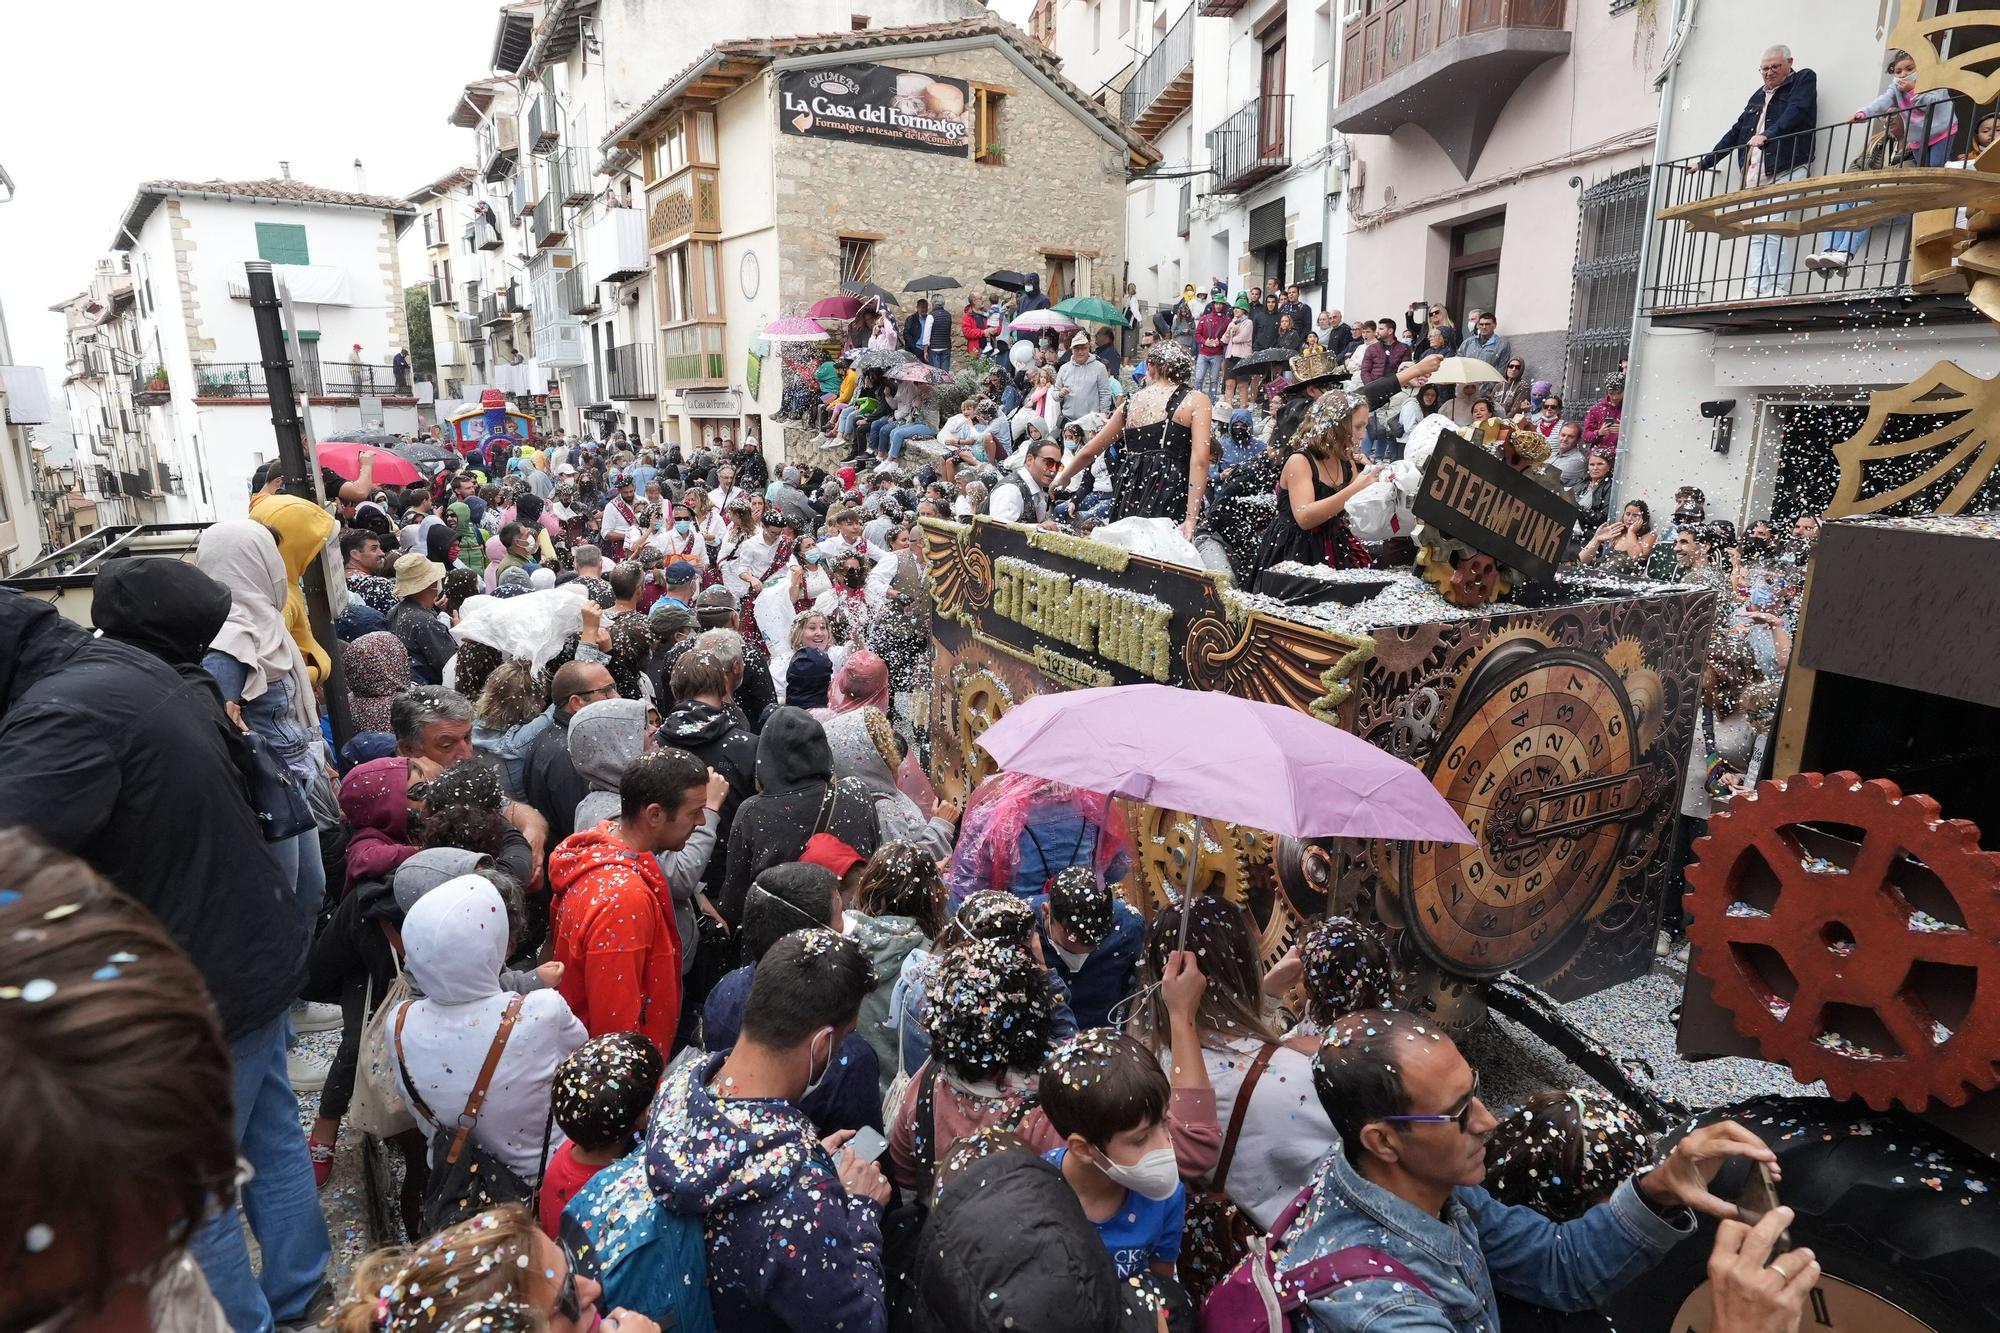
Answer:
(577, 296)
(483, 233)
(1163, 85)
(149, 385)
(499, 146)
(551, 222)
(569, 177)
(1446, 66)
(544, 128)
(1254, 143)
(231, 379)
(441, 293)
(1701, 277)
(629, 371)
(470, 330)
(493, 309)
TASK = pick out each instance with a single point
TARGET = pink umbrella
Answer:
(920, 373)
(835, 307)
(1215, 756)
(1039, 321)
(794, 328)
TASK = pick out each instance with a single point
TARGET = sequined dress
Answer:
(1332, 543)
(1150, 478)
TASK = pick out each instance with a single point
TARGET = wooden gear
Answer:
(1871, 966)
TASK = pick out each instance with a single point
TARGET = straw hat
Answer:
(415, 572)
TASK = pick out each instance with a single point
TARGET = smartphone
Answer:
(866, 1145)
(1758, 1197)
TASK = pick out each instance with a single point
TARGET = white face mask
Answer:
(1072, 961)
(814, 1080)
(1156, 1175)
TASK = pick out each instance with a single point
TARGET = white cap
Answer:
(1081, 340)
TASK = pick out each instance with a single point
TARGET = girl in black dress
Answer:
(1162, 433)
(1323, 472)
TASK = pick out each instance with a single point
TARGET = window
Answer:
(1475, 267)
(1096, 25)
(1182, 226)
(857, 259)
(670, 151)
(1322, 34)
(675, 300)
(1605, 279)
(987, 144)
(282, 243)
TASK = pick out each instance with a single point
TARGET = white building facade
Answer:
(1234, 96)
(1744, 395)
(197, 382)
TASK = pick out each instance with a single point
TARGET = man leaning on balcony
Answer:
(1773, 142)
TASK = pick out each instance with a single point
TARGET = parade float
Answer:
(470, 427)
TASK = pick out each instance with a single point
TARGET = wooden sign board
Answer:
(1473, 496)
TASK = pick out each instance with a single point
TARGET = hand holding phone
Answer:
(1758, 1198)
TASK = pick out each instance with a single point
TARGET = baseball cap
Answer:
(1081, 340)
(681, 571)
(830, 853)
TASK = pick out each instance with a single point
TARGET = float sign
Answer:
(1473, 496)
(877, 104)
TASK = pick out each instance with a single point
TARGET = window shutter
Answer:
(282, 243)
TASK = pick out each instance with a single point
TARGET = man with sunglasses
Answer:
(1405, 1184)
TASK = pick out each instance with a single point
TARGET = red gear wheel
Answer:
(1876, 967)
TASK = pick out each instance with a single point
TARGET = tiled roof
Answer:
(451, 180)
(765, 49)
(290, 191)
(147, 197)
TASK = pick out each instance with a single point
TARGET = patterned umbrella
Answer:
(794, 328)
(919, 373)
(1035, 321)
(882, 359)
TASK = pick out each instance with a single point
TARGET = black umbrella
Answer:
(368, 435)
(936, 282)
(868, 291)
(1007, 280)
(1270, 356)
(426, 455)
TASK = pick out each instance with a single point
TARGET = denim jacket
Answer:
(1479, 1244)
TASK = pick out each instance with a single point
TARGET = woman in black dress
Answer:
(1320, 476)
(1162, 433)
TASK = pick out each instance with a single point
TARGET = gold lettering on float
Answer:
(1119, 626)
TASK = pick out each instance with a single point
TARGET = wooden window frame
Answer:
(987, 151)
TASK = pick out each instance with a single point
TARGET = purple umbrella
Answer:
(1216, 756)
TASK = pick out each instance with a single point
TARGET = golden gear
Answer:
(1160, 840)
(979, 700)
(1643, 685)
(1869, 967)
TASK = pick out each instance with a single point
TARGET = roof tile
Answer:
(289, 191)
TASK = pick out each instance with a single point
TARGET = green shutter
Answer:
(282, 243)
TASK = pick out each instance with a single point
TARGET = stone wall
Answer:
(1061, 188)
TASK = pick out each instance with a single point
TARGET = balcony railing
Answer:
(630, 371)
(1391, 35)
(551, 222)
(575, 294)
(470, 330)
(1252, 144)
(1163, 85)
(544, 129)
(499, 145)
(494, 309)
(569, 176)
(231, 379)
(347, 379)
(441, 293)
(1702, 278)
(149, 385)
(482, 233)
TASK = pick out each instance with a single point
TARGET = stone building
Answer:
(777, 169)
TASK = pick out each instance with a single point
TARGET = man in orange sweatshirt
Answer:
(612, 907)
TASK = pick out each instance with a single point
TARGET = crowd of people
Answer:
(675, 989)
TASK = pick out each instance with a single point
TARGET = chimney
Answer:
(285, 170)
(360, 178)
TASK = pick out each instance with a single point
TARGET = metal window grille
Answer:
(857, 259)
(1611, 228)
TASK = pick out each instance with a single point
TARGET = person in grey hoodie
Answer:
(604, 739)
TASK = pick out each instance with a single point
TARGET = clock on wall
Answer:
(748, 275)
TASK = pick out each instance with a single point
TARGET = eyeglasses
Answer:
(1462, 1116)
(568, 1303)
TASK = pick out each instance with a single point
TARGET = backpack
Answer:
(1216, 1234)
(466, 1179)
(1256, 1298)
(650, 1260)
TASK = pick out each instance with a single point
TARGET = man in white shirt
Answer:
(1082, 386)
(927, 336)
(1023, 496)
(726, 489)
(619, 519)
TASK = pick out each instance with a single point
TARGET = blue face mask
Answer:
(683, 526)
(1763, 595)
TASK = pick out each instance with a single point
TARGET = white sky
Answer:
(98, 95)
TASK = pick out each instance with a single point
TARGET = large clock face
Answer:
(1835, 1307)
(1542, 761)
